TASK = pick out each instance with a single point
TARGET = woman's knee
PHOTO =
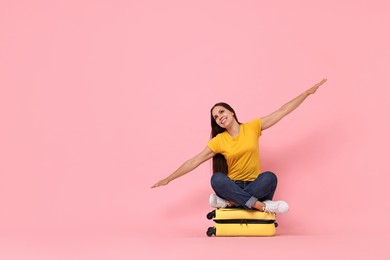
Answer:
(269, 177)
(218, 179)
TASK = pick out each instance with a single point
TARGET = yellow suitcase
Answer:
(241, 222)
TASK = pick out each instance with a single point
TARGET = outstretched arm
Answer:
(188, 166)
(287, 108)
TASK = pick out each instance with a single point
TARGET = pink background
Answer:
(101, 99)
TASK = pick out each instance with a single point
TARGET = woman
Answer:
(237, 179)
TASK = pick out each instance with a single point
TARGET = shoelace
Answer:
(273, 214)
(270, 209)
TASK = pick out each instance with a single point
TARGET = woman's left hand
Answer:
(313, 89)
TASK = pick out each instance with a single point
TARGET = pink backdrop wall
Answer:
(100, 99)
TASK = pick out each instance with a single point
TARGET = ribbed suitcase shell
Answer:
(241, 222)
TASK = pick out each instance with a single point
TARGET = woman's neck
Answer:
(234, 129)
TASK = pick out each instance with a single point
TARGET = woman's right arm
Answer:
(188, 166)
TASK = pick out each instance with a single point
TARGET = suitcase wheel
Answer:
(211, 231)
(211, 215)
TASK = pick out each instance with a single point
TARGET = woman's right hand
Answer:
(160, 183)
(186, 167)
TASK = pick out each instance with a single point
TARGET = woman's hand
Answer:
(276, 116)
(313, 89)
(186, 167)
(160, 183)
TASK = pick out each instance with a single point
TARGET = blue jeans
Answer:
(245, 193)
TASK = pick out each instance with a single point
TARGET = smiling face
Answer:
(222, 116)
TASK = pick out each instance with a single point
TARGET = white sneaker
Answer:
(217, 202)
(278, 206)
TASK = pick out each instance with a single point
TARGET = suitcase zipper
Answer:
(244, 221)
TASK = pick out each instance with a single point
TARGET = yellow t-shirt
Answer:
(241, 152)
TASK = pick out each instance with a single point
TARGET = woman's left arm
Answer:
(276, 116)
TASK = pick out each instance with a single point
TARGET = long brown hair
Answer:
(219, 161)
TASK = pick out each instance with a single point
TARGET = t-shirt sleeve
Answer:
(256, 125)
(213, 144)
(259, 126)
